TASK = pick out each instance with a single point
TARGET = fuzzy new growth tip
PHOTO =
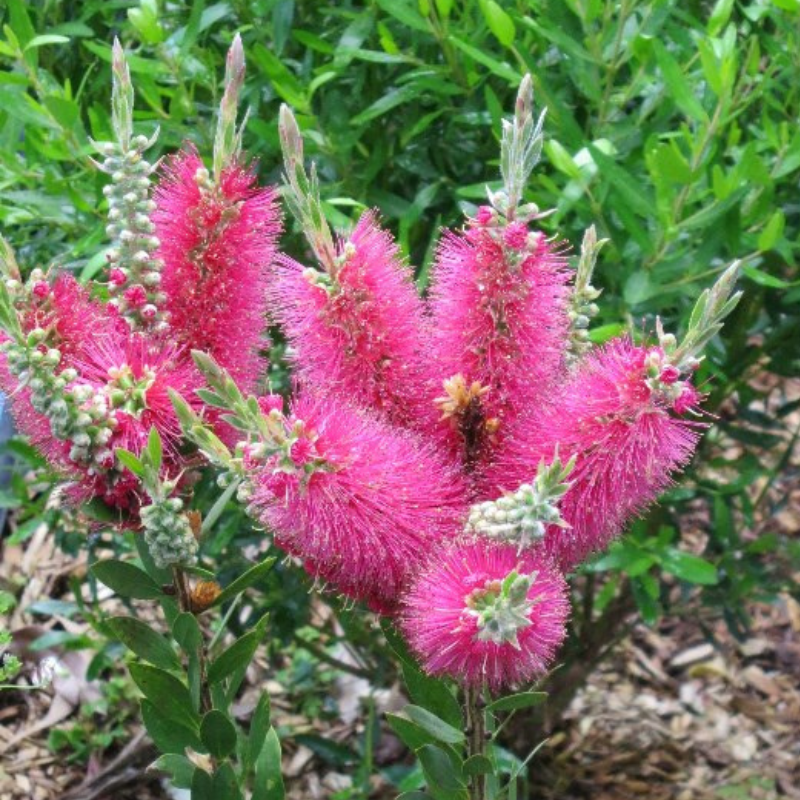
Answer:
(228, 138)
(121, 96)
(520, 149)
(708, 315)
(301, 192)
(584, 294)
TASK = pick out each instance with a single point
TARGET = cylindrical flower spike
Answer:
(499, 312)
(360, 503)
(217, 243)
(355, 325)
(499, 303)
(358, 333)
(625, 435)
(481, 613)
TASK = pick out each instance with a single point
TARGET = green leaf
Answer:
(126, 580)
(46, 38)
(412, 735)
(202, 786)
(244, 581)
(186, 632)
(178, 767)
(259, 728)
(478, 765)
(224, 784)
(500, 23)
(129, 460)
(268, 783)
(237, 656)
(437, 727)
(627, 188)
(680, 90)
(155, 449)
(143, 641)
(499, 68)
(392, 99)
(773, 231)
(403, 12)
(218, 734)
(439, 770)
(764, 279)
(166, 693)
(689, 567)
(514, 701)
(169, 736)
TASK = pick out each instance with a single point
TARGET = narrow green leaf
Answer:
(169, 736)
(143, 641)
(439, 770)
(166, 693)
(268, 783)
(437, 727)
(46, 38)
(499, 68)
(514, 701)
(499, 22)
(680, 90)
(245, 581)
(186, 632)
(238, 655)
(126, 580)
(689, 567)
(129, 460)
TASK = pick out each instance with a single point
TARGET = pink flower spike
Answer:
(358, 334)
(360, 503)
(481, 613)
(627, 443)
(217, 245)
(501, 323)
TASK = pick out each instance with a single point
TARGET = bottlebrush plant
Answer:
(449, 461)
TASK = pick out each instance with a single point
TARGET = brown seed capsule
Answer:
(203, 595)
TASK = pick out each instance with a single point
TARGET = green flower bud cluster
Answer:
(135, 271)
(522, 517)
(168, 533)
(502, 608)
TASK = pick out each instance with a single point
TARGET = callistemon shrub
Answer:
(447, 460)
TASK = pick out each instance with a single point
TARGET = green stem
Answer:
(476, 738)
(183, 593)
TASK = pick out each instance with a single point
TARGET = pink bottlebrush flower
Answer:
(499, 322)
(484, 215)
(627, 441)
(482, 613)
(361, 503)
(357, 334)
(136, 374)
(515, 236)
(217, 244)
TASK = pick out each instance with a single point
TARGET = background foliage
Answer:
(671, 126)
